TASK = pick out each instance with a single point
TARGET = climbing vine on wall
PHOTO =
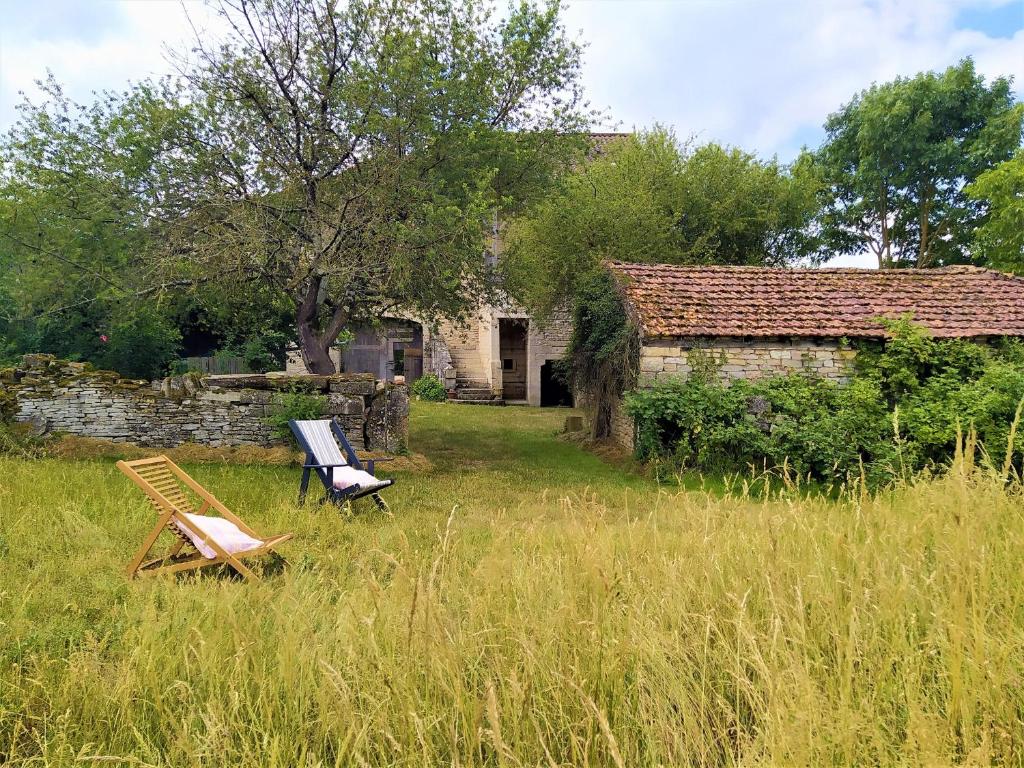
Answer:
(604, 353)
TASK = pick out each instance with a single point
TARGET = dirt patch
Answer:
(78, 447)
(608, 450)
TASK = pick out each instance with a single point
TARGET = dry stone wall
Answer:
(58, 396)
(734, 358)
(739, 359)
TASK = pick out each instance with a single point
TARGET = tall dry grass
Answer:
(574, 626)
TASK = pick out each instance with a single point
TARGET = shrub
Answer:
(429, 387)
(141, 344)
(904, 410)
(295, 404)
(815, 426)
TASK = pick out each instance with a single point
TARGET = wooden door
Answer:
(367, 353)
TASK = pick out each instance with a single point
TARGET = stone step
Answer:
(477, 402)
(473, 393)
(473, 396)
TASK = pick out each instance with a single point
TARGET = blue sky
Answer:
(761, 75)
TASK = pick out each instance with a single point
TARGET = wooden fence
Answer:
(217, 365)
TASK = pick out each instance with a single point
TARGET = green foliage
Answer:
(898, 157)
(1000, 239)
(645, 198)
(265, 352)
(78, 215)
(295, 404)
(80, 224)
(733, 208)
(911, 358)
(141, 345)
(528, 604)
(603, 352)
(356, 183)
(905, 409)
(810, 424)
(360, 181)
(429, 387)
(136, 340)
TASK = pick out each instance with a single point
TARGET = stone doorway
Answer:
(554, 392)
(512, 334)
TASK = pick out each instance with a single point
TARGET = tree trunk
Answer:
(315, 354)
(313, 347)
(923, 251)
(885, 252)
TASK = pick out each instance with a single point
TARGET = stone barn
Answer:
(752, 321)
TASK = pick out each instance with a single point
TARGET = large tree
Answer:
(84, 194)
(647, 198)
(350, 154)
(76, 201)
(345, 156)
(898, 157)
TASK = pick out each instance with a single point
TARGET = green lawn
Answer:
(527, 604)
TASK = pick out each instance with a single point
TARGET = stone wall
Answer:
(738, 359)
(734, 358)
(543, 344)
(58, 396)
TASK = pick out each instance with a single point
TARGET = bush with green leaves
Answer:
(904, 409)
(429, 387)
(294, 404)
(813, 425)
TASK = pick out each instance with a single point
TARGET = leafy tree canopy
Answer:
(999, 241)
(349, 154)
(79, 206)
(647, 198)
(898, 157)
(343, 156)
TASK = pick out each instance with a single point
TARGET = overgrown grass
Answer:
(527, 605)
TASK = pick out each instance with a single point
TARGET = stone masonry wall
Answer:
(544, 344)
(734, 358)
(738, 359)
(231, 410)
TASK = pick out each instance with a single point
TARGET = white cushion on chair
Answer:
(348, 476)
(227, 535)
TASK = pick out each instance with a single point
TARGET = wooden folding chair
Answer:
(169, 488)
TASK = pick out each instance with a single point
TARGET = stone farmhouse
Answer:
(501, 355)
(754, 321)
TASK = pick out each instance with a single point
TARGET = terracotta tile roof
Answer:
(752, 301)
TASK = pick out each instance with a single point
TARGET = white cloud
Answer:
(125, 41)
(765, 75)
(762, 75)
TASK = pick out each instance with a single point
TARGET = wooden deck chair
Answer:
(343, 475)
(215, 540)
